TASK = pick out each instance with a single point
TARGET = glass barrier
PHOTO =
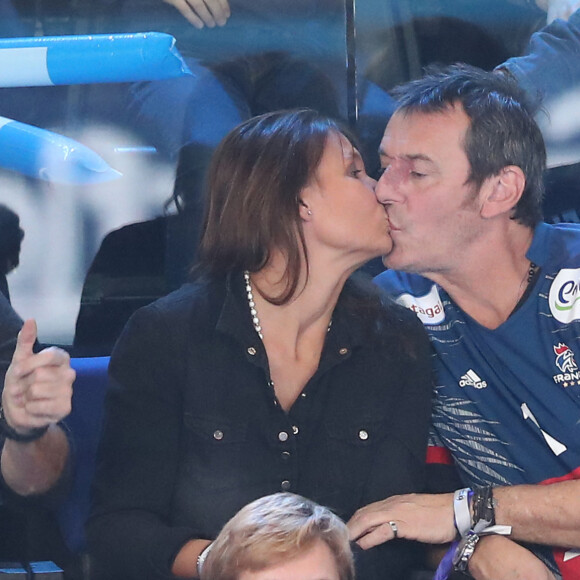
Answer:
(94, 252)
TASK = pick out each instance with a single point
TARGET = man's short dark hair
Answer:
(502, 129)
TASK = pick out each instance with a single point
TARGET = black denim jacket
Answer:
(194, 431)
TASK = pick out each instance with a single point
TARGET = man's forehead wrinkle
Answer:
(407, 156)
(419, 157)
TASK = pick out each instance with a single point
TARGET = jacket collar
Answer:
(235, 319)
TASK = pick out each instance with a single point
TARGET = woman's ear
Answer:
(305, 211)
(503, 191)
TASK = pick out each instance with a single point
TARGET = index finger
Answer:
(375, 536)
(364, 521)
(25, 341)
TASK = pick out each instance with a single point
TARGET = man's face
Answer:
(433, 211)
(315, 564)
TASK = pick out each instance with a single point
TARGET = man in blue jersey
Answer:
(499, 294)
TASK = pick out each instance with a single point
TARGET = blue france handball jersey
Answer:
(507, 401)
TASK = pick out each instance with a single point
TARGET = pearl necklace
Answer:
(252, 305)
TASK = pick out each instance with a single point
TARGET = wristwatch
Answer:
(464, 551)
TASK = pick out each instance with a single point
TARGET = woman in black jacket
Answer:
(272, 371)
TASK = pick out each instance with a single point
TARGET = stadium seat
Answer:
(84, 423)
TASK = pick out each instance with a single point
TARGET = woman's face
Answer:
(340, 207)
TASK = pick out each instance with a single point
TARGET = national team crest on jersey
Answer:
(566, 362)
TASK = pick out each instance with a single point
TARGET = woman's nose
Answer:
(372, 183)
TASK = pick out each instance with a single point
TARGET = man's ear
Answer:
(503, 191)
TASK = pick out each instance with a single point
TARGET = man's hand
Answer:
(558, 8)
(423, 517)
(202, 13)
(38, 387)
(499, 558)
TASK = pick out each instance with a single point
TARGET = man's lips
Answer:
(392, 227)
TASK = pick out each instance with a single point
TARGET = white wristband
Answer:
(201, 558)
(461, 511)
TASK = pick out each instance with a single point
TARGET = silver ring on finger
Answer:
(395, 529)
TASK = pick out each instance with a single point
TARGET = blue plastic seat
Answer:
(84, 423)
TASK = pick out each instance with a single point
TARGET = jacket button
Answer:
(283, 436)
(285, 455)
(343, 351)
(295, 429)
(285, 485)
(218, 435)
(252, 351)
(363, 435)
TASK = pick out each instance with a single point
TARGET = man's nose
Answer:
(389, 186)
(384, 189)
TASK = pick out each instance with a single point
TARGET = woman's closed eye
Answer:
(356, 168)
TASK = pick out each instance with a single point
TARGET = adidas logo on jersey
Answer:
(472, 379)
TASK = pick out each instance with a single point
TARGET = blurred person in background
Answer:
(11, 236)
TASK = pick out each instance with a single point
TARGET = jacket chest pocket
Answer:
(351, 450)
(354, 443)
(220, 472)
(215, 451)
